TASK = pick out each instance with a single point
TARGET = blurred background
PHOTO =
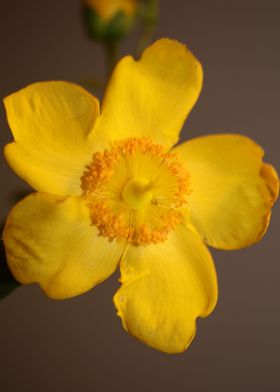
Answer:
(79, 344)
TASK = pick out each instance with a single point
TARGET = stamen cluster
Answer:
(105, 178)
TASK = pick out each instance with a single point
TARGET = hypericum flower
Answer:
(111, 190)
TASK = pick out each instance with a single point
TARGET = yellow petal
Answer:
(152, 97)
(232, 189)
(50, 122)
(51, 241)
(165, 287)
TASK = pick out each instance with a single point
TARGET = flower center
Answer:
(135, 191)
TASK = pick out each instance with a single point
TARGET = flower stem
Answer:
(111, 56)
(149, 16)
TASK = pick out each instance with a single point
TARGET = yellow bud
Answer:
(107, 9)
(109, 20)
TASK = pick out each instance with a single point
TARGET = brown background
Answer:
(78, 344)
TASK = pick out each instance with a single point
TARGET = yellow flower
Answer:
(111, 190)
(107, 9)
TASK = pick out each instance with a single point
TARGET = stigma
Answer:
(135, 191)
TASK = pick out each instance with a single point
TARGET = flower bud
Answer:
(109, 20)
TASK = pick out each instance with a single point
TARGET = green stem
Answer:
(111, 56)
(145, 38)
(149, 16)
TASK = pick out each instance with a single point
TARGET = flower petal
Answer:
(165, 287)
(51, 122)
(232, 189)
(51, 241)
(152, 97)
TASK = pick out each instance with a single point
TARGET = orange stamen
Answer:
(104, 183)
